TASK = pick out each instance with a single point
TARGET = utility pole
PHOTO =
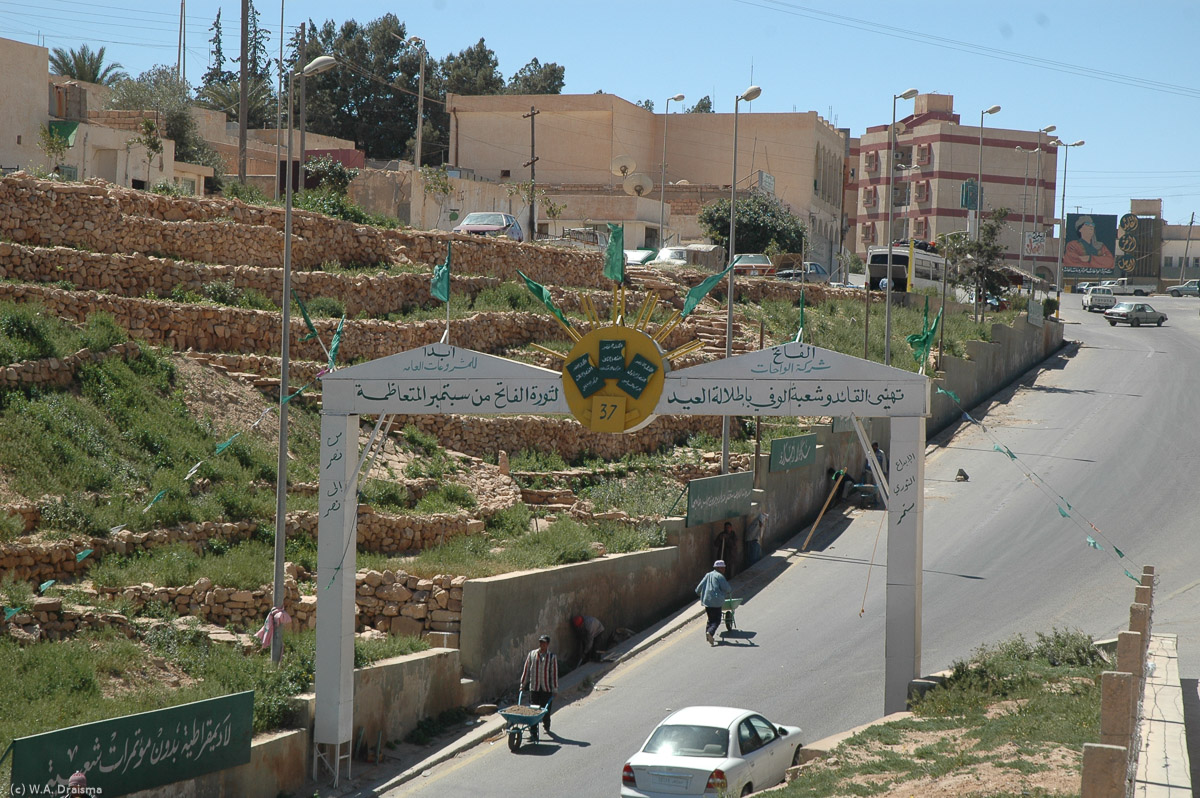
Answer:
(533, 112)
(179, 52)
(1186, 245)
(421, 108)
(303, 59)
(243, 93)
(279, 100)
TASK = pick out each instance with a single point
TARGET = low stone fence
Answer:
(396, 534)
(47, 619)
(60, 371)
(1111, 767)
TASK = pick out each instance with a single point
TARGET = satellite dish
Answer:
(682, 183)
(623, 165)
(638, 184)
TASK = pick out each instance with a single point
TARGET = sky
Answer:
(1118, 75)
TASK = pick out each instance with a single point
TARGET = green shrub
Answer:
(102, 332)
(1049, 306)
(388, 496)
(326, 307)
(422, 442)
(511, 522)
(26, 333)
(338, 207)
(537, 460)
(169, 189)
(446, 499)
(246, 192)
(331, 175)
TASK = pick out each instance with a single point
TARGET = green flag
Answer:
(614, 253)
(312, 331)
(922, 342)
(699, 292)
(439, 286)
(334, 345)
(542, 293)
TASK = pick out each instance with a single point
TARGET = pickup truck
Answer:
(1123, 287)
(1098, 297)
(1190, 288)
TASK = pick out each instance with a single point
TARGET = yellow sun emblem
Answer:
(613, 375)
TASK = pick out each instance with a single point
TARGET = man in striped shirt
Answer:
(540, 677)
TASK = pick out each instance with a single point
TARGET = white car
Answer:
(753, 264)
(639, 257)
(670, 256)
(711, 751)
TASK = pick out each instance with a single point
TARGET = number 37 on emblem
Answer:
(608, 413)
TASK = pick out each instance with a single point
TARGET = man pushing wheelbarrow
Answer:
(713, 590)
(540, 678)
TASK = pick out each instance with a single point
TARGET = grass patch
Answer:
(69, 682)
(244, 566)
(1052, 692)
(29, 332)
(509, 547)
(641, 493)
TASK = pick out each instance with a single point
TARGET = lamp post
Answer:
(1024, 192)
(748, 95)
(316, 66)
(662, 181)
(1037, 187)
(979, 185)
(1062, 214)
(907, 94)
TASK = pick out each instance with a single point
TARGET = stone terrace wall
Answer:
(104, 218)
(223, 329)
(60, 371)
(137, 275)
(478, 437)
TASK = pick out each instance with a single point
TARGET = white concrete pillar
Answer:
(906, 516)
(337, 507)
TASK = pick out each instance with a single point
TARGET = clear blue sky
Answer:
(1117, 74)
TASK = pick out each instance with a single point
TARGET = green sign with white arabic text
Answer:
(789, 453)
(138, 752)
(717, 498)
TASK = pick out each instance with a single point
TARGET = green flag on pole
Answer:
(922, 342)
(543, 294)
(334, 345)
(439, 286)
(614, 253)
(699, 292)
(312, 330)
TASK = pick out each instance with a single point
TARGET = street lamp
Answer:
(662, 182)
(1062, 214)
(907, 94)
(979, 185)
(1024, 192)
(1037, 188)
(316, 66)
(748, 95)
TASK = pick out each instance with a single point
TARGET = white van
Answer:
(1098, 298)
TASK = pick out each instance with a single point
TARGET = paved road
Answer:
(1109, 426)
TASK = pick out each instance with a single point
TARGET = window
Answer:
(506, 173)
(921, 228)
(868, 232)
(923, 191)
(766, 732)
(1168, 262)
(900, 194)
(870, 197)
(748, 739)
(923, 154)
(871, 161)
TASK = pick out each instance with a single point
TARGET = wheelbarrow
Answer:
(521, 718)
(731, 604)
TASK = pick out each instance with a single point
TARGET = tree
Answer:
(160, 90)
(702, 106)
(85, 65)
(151, 142)
(474, 70)
(260, 61)
(978, 269)
(53, 145)
(763, 223)
(647, 104)
(216, 72)
(226, 95)
(538, 78)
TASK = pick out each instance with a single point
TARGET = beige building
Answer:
(583, 140)
(937, 155)
(101, 142)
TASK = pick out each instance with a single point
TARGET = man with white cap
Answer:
(713, 590)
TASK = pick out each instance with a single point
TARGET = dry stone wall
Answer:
(60, 371)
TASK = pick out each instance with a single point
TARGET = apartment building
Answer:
(934, 155)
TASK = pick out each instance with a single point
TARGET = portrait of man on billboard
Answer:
(1090, 246)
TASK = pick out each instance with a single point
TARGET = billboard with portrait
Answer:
(1091, 241)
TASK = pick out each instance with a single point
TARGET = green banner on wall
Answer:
(789, 453)
(138, 752)
(717, 498)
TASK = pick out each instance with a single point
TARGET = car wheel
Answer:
(796, 756)
(1159, 322)
(747, 790)
(1139, 293)
(1174, 293)
(1135, 323)
(1112, 323)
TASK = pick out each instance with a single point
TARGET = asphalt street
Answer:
(1108, 425)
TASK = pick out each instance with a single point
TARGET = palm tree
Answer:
(225, 96)
(85, 65)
